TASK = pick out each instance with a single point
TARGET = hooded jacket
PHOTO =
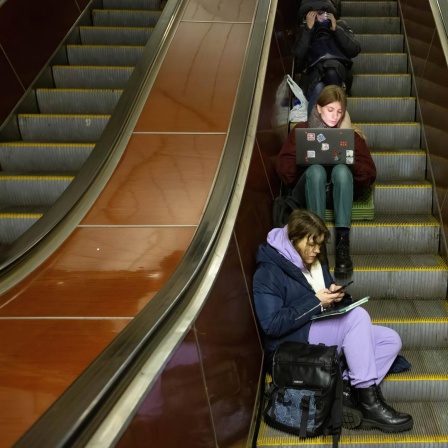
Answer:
(284, 300)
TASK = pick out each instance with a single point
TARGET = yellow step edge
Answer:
(79, 90)
(35, 178)
(401, 186)
(20, 215)
(400, 269)
(406, 377)
(397, 123)
(44, 145)
(419, 321)
(385, 98)
(62, 116)
(417, 152)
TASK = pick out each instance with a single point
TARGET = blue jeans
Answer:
(311, 189)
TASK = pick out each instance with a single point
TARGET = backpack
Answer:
(282, 208)
(305, 395)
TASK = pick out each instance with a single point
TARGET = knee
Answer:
(316, 175)
(360, 316)
(341, 174)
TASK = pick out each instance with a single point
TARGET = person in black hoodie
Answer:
(323, 50)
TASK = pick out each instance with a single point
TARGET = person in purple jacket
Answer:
(291, 284)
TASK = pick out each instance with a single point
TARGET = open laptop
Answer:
(325, 146)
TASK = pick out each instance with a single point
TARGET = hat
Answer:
(317, 5)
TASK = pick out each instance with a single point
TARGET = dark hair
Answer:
(303, 223)
(330, 94)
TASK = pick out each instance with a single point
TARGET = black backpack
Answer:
(305, 395)
(282, 208)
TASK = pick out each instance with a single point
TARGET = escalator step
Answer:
(373, 25)
(380, 63)
(84, 77)
(399, 164)
(384, 85)
(115, 36)
(392, 135)
(381, 43)
(126, 18)
(62, 128)
(131, 4)
(77, 101)
(121, 56)
(407, 197)
(14, 221)
(32, 190)
(369, 9)
(374, 109)
(42, 157)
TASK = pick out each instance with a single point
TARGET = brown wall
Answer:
(208, 389)
(30, 32)
(431, 72)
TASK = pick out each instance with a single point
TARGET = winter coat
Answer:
(311, 76)
(364, 170)
(284, 300)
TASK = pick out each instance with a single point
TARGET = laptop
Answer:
(325, 146)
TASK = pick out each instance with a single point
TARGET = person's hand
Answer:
(311, 18)
(333, 287)
(332, 19)
(327, 297)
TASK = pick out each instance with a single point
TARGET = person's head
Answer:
(307, 233)
(317, 5)
(332, 105)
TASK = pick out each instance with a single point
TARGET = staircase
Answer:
(396, 254)
(73, 109)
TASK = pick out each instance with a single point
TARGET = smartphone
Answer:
(342, 287)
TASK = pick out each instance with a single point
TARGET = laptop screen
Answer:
(325, 146)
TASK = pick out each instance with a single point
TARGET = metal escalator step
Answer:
(119, 56)
(32, 189)
(62, 128)
(380, 63)
(131, 4)
(384, 85)
(411, 234)
(430, 430)
(407, 197)
(374, 25)
(426, 381)
(15, 221)
(369, 9)
(392, 135)
(77, 101)
(398, 276)
(399, 164)
(381, 43)
(127, 18)
(376, 109)
(85, 77)
(43, 157)
(421, 322)
(106, 35)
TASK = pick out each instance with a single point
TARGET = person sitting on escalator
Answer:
(323, 49)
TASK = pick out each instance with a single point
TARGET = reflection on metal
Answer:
(440, 12)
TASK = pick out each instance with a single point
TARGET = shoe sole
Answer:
(351, 418)
(370, 424)
(343, 270)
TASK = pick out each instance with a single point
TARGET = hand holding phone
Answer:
(342, 287)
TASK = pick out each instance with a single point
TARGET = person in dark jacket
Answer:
(323, 49)
(290, 286)
(310, 187)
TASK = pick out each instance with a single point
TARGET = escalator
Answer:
(395, 254)
(55, 129)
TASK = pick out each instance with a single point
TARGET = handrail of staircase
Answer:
(440, 12)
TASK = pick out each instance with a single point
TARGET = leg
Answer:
(314, 95)
(342, 180)
(316, 183)
(369, 351)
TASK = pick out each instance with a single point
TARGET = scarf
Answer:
(315, 121)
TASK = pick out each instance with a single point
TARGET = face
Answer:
(308, 249)
(331, 113)
(321, 16)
